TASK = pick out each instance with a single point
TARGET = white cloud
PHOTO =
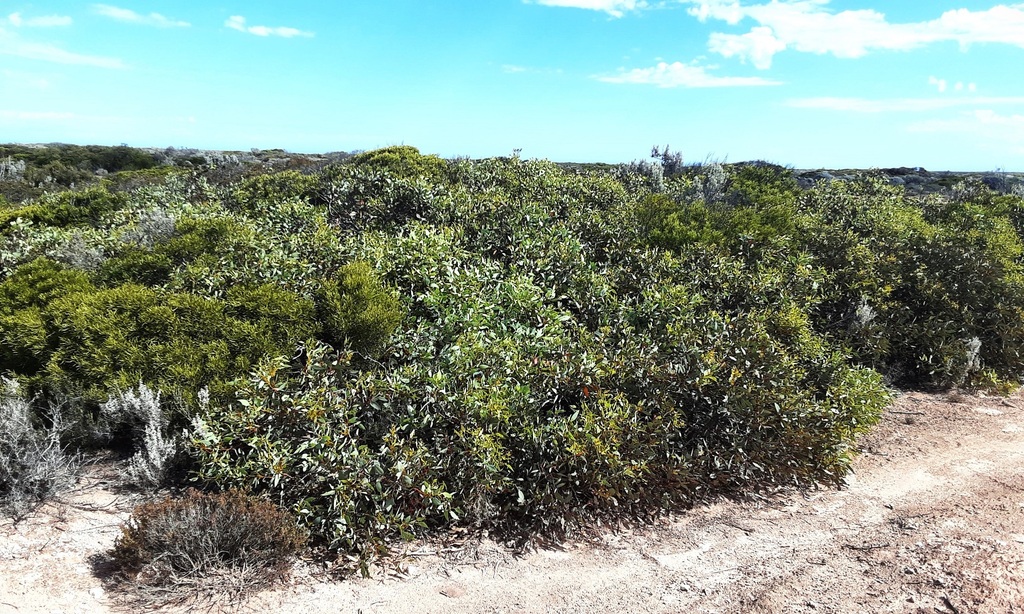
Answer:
(940, 84)
(809, 26)
(615, 8)
(759, 46)
(130, 16)
(44, 21)
(909, 105)
(237, 22)
(12, 44)
(677, 74)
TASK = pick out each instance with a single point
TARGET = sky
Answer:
(802, 83)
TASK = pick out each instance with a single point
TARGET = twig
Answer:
(736, 525)
(867, 547)
(949, 604)
(907, 413)
(435, 552)
(10, 604)
(740, 568)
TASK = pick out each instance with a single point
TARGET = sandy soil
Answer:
(932, 520)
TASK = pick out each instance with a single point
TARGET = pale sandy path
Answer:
(931, 521)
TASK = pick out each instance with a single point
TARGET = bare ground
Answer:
(932, 520)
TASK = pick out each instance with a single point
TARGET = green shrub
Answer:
(909, 286)
(136, 265)
(39, 283)
(85, 208)
(356, 310)
(67, 336)
(402, 161)
(256, 195)
(24, 336)
(198, 237)
(318, 450)
(532, 348)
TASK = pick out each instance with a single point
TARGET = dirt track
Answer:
(931, 521)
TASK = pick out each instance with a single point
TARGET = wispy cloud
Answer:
(677, 74)
(516, 69)
(809, 26)
(991, 129)
(24, 80)
(615, 8)
(900, 105)
(130, 16)
(13, 45)
(237, 22)
(43, 21)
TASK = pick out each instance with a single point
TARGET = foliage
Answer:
(398, 343)
(356, 310)
(65, 209)
(935, 280)
(402, 161)
(90, 157)
(67, 336)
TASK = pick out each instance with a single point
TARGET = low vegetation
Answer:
(397, 343)
(206, 543)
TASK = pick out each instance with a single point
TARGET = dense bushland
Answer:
(399, 343)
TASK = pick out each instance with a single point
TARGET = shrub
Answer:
(78, 254)
(154, 227)
(936, 276)
(356, 310)
(39, 283)
(136, 265)
(66, 336)
(402, 161)
(34, 464)
(137, 416)
(65, 209)
(213, 542)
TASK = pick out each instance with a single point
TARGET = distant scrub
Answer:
(400, 343)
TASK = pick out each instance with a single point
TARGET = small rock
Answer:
(97, 593)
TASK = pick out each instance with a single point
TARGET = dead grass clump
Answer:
(205, 544)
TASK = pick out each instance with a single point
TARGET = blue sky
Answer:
(807, 83)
